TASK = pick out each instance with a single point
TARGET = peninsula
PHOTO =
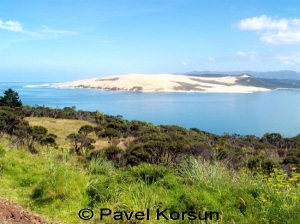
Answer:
(171, 83)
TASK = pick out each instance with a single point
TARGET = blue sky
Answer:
(62, 40)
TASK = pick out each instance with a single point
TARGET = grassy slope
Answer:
(63, 127)
(22, 172)
(56, 186)
(58, 189)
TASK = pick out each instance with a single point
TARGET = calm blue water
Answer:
(256, 113)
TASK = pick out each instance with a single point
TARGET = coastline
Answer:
(164, 83)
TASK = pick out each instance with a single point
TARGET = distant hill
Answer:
(271, 80)
(195, 81)
(173, 83)
(284, 74)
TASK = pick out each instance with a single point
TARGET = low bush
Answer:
(148, 173)
(100, 165)
(98, 191)
(2, 151)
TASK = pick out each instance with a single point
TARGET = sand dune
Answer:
(165, 83)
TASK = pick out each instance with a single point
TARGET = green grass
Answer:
(54, 185)
(44, 185)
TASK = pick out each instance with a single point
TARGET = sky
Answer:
(65, 40)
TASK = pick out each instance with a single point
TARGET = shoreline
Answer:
(53, 86)
(163, 83)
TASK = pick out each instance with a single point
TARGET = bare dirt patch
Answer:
(13, 213)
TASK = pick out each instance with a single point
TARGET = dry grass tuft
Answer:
(63, 127)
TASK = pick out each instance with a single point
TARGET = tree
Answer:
(8, 121)
(85, 130)
(49, 140)
(99, 117)
(10, 99)
(29, 135)
(114, 153)
(110, 133)
(80, 142)
(36, 134)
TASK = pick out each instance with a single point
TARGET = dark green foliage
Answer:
(8, 120)
(10, 99)
(110, 133)
(99, 117)
(81, 143)
(186, 202)
(282, 152)
(69, 112)
(292, 157)
(21, 133)
(35, 134)
(149, 148)
(157, 149)
(96, 153)
(49, 140)
(114, 154)
(264, 164)
(275, 139)
(98, 192)
(37, 193)
(148, 173)
(2, 151)
(292, 160)
(13, 124)
(85, 130)
(98, 130)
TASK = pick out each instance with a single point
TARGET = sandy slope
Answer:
(164, 83)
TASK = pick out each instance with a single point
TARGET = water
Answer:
(242, 113)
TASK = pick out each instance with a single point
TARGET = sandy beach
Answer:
(165, 83)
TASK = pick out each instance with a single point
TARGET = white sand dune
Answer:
(165, 83)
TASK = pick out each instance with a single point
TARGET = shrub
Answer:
(148, 173)
(2, 151)
(96, 153)
(100, 165)
(260, 163)
(113, 152)
(291, 160)
(99, 192)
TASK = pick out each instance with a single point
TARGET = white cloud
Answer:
(184, 64)
(46, 29)
(241, 54)
(277, 58)
(263, 23)
(288, 37)
(247, 55)
(11, 26)
(288, 59)
(211, 59)
(272, 30)
(15, 26)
